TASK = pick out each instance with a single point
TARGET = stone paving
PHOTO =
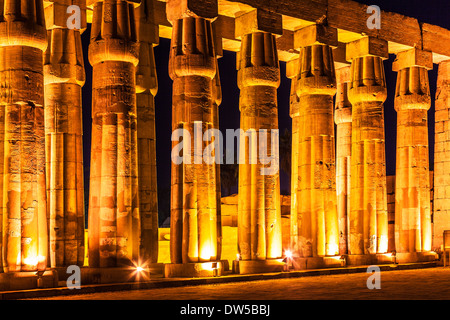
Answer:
(430, 283)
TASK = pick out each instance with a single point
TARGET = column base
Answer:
(369, 259)
(258, 266)
(300, 263)
(111, 275)
(28, 280)
(410, 257)
(195, 269)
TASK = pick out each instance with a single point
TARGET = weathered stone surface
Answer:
(114, 218)
(259, 218)
(22, 148)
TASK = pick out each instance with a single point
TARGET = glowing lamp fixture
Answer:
(288, 254)
(139, 269)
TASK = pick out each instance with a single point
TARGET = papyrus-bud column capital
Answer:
(114, 219)
(317, 220)
(64, 77)
(259, 211)
(192, 66)
(412, 178)
(368, 223)
(22, 149)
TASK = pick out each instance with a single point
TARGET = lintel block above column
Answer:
(178, 9)
(367, 46)
(258, 20)
(316, 34)
(413, 58)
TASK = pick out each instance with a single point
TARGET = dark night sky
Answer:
(435, 12)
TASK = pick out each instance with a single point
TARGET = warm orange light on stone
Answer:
(64, 77)
(259, 211)
(194, 228)
(22, 148)
(114, 219)
(412, 185)
(368, 223)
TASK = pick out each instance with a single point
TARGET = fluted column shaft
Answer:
(22, 151)
(343, 120)
(368, 227)
(259, 211)
(146, 89)
(317, 215)
(193, 204)
(412, 183)
(114, 219)
(64, 77)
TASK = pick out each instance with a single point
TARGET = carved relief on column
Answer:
(412, 186)
(343, 120)
(146, 89)
(259, 211)
(192, 67)
(114, 219)
(64, 77)
(368, 224)
(22, 146)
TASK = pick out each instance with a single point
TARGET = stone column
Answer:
(259, 211)
(114, 219)
(343, 120)
(368, 227)
(216, 101)
(317, 215)
(192, 66)
(146, 89)
(441, 202)
(22, 150)
(64, 77)
(412, 183)
(292, 68)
